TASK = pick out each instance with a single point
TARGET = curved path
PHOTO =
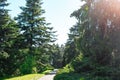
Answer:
(49, 76)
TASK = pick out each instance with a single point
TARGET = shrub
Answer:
(28, 65)
(67, 69)
(100, 78)
(41, 67)
(80, 64)
(49, 67)
(68, 76)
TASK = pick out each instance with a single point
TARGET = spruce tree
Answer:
(70, 47)
(98, 41)
(34, 30)
(8, 33)
(33, 26)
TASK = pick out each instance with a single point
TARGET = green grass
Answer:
(46, 72)
(28, 76)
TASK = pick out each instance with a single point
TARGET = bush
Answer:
(28, 66)
(68, 76)
(63, 77)
(49, 67)
(80, 64)
(41, 67)
(101, 78)
(67, 69)
(77, 76)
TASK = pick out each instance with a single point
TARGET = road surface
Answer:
(49, 76)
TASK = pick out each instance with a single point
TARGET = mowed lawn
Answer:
(28, 76)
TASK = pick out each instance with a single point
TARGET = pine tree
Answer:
(98, 41)
(8, 33)
(71, 48)
(3, 25)
(34, 30)
(33, 25)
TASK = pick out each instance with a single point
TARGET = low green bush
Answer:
(43, 67)
(68, 76)
(28, 65)
(101, 78)
(77, 76)
(80, 64)
(49, 67)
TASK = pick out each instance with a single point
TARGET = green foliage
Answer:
(41, 67)
(81, 64)
(56, 57)
(4, 55)
(101, 78)
(63, 74)
(8, 34)
(95, 40)
(49, 67)
(28, 66)
(33, 27)
(64, 77)
(34, 35)
(69, 76)
(46, 72)
(65, 70)
(71, 50)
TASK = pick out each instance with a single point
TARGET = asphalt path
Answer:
(49, 76)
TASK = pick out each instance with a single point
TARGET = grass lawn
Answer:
(28, 76)
(46, 72)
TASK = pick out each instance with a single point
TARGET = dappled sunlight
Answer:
(86, 47)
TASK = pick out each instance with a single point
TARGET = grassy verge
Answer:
(46, 72)
(28, 76)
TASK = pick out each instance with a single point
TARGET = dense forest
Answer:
(26, 42)
(92, 51)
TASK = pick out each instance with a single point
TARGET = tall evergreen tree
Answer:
(71, 48)
(34, 30)
(57, 53)
(98, 40)
(33, 25)
(8, 33)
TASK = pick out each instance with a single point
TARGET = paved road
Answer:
(49, 76)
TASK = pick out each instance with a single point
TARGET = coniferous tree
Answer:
(98, 41)
(8, 34)
(57, 53)
(70, 47)
(33, 25)
(34, 30)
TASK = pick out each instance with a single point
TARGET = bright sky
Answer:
(57, 13)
